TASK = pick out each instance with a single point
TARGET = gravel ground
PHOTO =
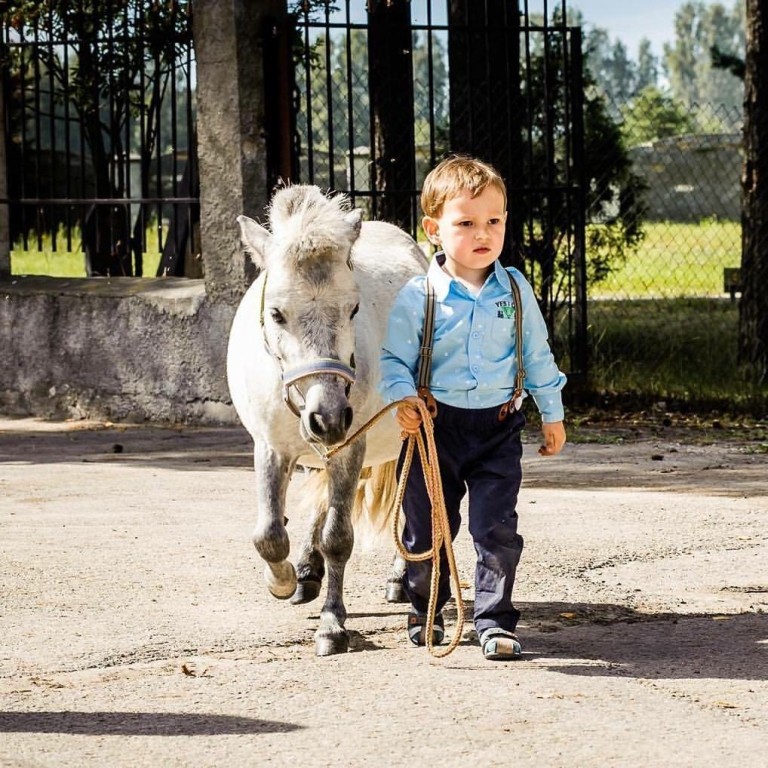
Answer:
(135, 629)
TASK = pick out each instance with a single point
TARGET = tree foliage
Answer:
(687, 62)
(688, 67)
(611, 189)
(614, 210)
(653, 114)
(112, 64)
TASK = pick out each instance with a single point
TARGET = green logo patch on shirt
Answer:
(505, 310)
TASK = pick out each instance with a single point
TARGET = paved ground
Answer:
(135, 629)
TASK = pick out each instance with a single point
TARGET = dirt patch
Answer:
(136, 629)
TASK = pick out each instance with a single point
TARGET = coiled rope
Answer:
(441, 530)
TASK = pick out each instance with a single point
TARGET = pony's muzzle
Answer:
(324, 410)
(329, 431)
(327, 414)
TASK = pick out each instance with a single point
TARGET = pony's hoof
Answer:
(328, 645)
(306, 591)
(396, 592)
(281, 580)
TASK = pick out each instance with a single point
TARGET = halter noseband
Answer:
(321, 366)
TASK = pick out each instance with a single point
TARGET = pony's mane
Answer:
(309, 225)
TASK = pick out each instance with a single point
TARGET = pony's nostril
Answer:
(348, 415)
(316, 424)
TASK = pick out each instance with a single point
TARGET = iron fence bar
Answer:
(352, 180)
(372, 152)
(67, 142)
(96, 200)
(36, 69)
(308, 95)
(579, 333)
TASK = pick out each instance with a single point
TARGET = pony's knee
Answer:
(272, 542)
(337, 538)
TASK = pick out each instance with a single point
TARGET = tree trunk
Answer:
(106, 227)
(753, 308)
(391, 89)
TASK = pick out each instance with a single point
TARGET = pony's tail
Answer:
(374, 501)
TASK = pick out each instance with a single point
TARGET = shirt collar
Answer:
(501, 274)
(441, 280)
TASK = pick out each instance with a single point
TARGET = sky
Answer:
(632, 20)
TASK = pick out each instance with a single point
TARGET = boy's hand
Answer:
(409, 416)
(554, 438)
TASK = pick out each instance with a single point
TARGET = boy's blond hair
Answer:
(454, 176)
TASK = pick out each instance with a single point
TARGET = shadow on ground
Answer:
(137, 724)
(616, 640)
(190, 448)
(648, 645)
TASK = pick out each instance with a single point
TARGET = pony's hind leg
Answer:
(336, 540)
(395, 592)
(270, 536)
(310, 567)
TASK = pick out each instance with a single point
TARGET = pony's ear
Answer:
(355, 220)
(253, 237)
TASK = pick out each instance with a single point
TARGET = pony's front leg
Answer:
(270, 537)
(336, 540)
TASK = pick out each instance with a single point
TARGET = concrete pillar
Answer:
(229, 49)
(5, 233)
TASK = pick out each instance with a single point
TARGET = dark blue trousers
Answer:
(479, 455)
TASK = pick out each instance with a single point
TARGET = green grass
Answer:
(42, 259)
(682, 349)
(48, 262)
(676, 260)
(662, 326)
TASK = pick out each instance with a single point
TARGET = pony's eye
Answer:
(277, 316)
(354, 311)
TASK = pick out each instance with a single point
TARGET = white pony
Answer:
(302, 367)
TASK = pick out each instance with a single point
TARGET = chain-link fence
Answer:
(663, 308)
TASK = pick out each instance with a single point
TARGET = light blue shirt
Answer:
(474, 359)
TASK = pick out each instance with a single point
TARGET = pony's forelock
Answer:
(307, 225)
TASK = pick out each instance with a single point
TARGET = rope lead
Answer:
(441, 530)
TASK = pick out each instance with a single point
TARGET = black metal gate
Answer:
(384, 89)
(99, 128)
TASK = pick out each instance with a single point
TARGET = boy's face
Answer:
(471, 232)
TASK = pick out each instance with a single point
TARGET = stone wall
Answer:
(122, 350)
